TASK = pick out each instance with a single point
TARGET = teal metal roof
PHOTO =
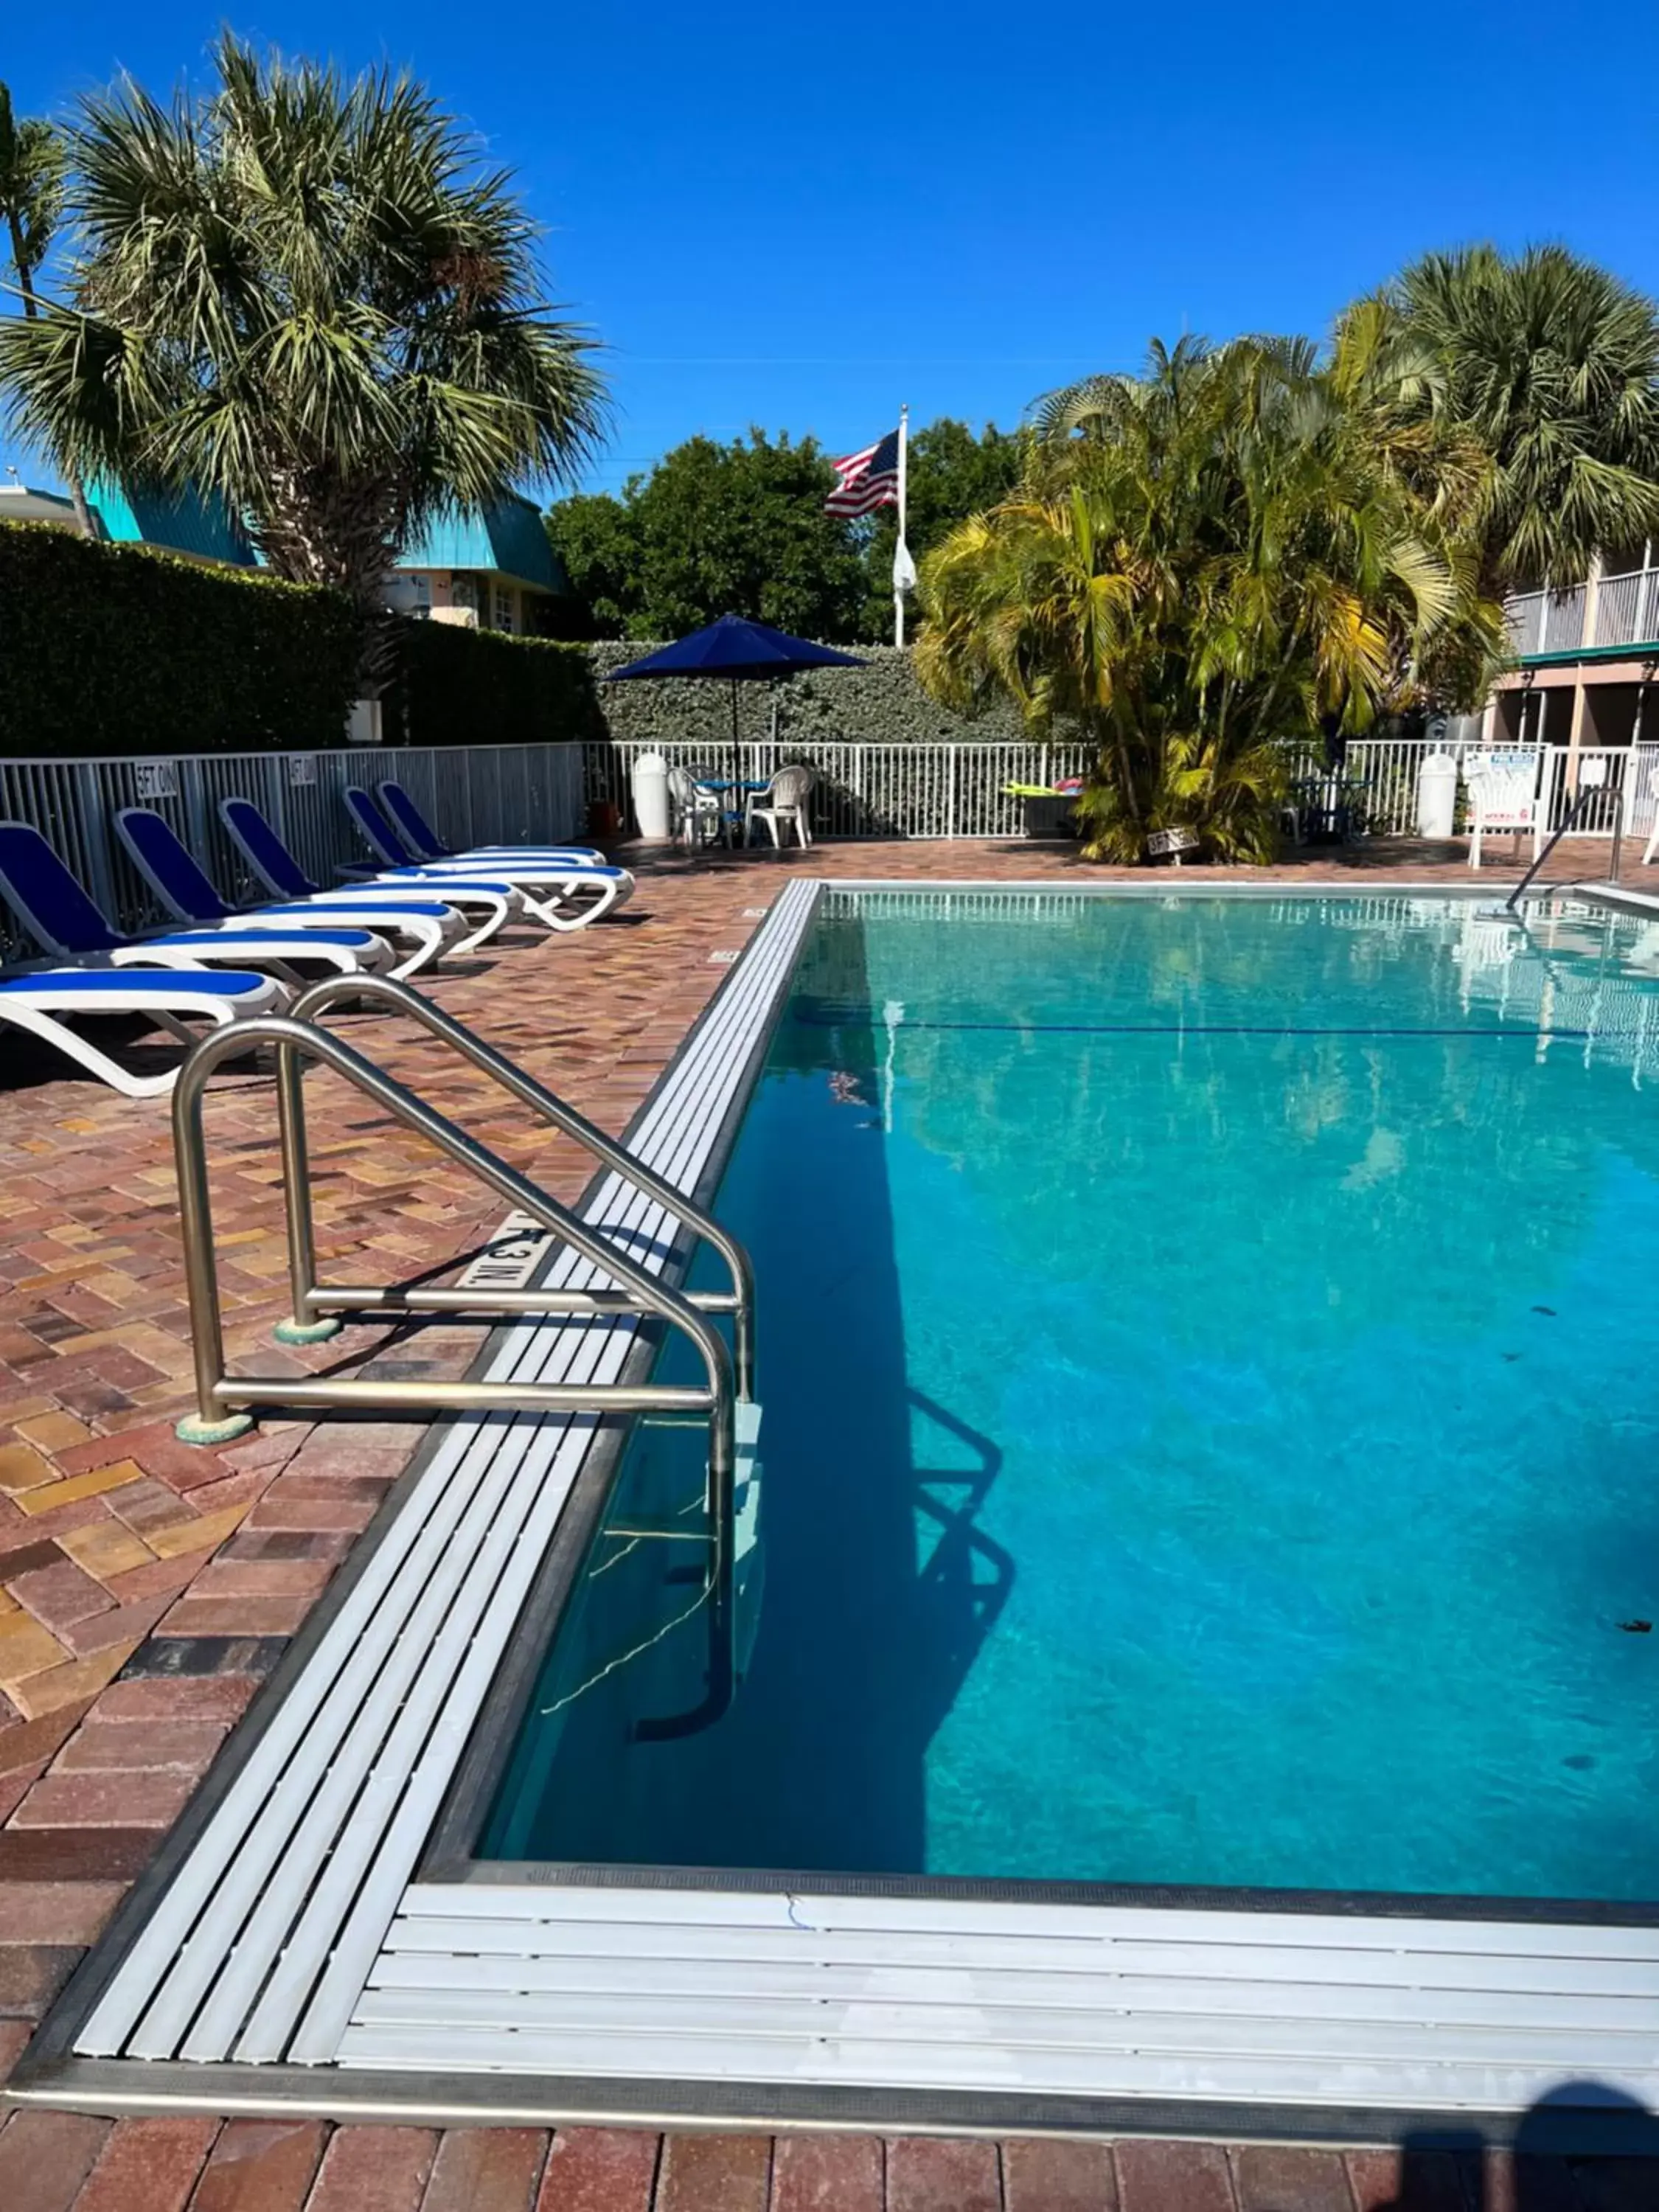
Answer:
(180, 522)
(509, 540)
(1641, 648)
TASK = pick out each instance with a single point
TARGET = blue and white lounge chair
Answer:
(473, 888)
(564, 894)
(184, 886)
(42, 1001)
(51, 905)
(423, 841)
(367, 906)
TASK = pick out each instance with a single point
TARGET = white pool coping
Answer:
(285, 1954)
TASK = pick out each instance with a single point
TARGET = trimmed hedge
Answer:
(121, 650)
(880, 703)
(477, 687)
(115, 649)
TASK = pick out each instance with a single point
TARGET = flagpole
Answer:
(898, 596)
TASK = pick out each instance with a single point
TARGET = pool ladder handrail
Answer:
(222, 1400)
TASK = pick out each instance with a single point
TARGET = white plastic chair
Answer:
(694, 813)
(1503, 796)
(784, 800)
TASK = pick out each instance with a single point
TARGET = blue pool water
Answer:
(1211, 1431)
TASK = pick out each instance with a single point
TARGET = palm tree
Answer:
(1554, 365)
(1204, 559)
(308, 299)
(31, 200)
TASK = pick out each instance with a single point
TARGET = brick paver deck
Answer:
(147, 1587)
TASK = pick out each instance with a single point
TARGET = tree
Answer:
(951, 475)
(32, 163)
(307, 299)
(597, 538)
(1202, 561)
(716, 529)
(1554, 364)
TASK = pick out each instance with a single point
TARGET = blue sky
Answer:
(799, 217)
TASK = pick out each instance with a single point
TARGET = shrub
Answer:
(467, 687)
(880, 703)
(116, 649)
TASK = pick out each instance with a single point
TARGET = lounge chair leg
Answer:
(64, 1039)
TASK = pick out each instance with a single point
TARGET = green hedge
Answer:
(880, 703)
(115, 649)
(118, 649)
(477, 687)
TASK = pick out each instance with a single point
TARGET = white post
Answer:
(898, 596)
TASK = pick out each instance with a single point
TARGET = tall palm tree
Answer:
(1553, 364)
(1203, 561)
(31, 200)
(307, 299)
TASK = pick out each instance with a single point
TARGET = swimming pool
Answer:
(1208, 1433)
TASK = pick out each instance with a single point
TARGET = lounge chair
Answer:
(184, 887)
(597, 888)
(41, 1002)
(51, 905)
(369, 907)
(473, 888)
(423, 841)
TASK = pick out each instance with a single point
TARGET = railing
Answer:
(1627, 609)
(944, 790)
(620, 1282)
(1626, 613)
(476, 794)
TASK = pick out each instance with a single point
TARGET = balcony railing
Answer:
(1626, 613)
(1627, 609)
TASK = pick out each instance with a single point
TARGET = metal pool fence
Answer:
(483, 793)
(475, 794)
(954, 790)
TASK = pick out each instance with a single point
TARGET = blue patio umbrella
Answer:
(739, 650)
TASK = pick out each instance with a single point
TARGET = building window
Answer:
(506, 616)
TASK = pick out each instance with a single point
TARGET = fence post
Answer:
(95, 815)
(950, 792)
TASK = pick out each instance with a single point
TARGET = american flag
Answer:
(866, 481)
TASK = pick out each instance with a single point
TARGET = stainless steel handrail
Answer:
(313, 1300)
(219, 1395)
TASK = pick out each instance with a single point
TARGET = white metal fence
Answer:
(944, 790)
(951, 790)
(481, 793)
(474, 794)
(1625, 612)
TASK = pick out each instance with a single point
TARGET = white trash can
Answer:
(1437, 796)
(650, 787)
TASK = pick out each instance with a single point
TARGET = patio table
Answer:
(718, 786)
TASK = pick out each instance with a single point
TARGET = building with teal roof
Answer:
(493, 571)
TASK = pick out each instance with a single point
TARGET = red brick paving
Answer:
(1056, 2174)
(714, 2173)
(146, 1588)
(150, 2166)
(486, 2170)
(1283, 2178)
(827, 2174)
(1174, 2177)
(943, 2173)
(603, 2170)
